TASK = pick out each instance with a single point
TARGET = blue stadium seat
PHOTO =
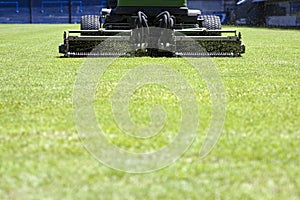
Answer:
(16, 3)
(61, 3)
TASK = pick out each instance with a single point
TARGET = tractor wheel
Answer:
(90, 22)
(212, 22)
(112, 4)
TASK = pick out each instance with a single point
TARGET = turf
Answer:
(42, 156)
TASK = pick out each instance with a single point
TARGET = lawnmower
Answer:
(150, 28)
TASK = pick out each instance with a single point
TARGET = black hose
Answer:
(165, 20)
(141, 22)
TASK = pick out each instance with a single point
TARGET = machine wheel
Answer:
(90, 22)
(112, 4)
(212, 22)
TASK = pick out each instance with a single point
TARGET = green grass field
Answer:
(42, 157)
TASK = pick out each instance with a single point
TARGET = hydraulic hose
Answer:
(165, 20)
(141, 22)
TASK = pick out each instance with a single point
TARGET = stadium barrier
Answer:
(16, 3)
(60, 3)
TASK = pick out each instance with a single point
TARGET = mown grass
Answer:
(42, 157)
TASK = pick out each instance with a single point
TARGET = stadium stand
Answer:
(60, 3)
(15, 3)
(47, 11)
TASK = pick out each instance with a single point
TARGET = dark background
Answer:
(255, 13)
(51, 13)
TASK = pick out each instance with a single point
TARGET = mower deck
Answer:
(194, 42)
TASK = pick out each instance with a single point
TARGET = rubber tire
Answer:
(211, 22)
(90, 22)
(112, 4)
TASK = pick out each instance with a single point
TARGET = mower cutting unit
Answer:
(151, 28)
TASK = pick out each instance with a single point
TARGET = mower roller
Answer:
(150, 28)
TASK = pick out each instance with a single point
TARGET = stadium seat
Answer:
(60, 3)
(16, 3)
